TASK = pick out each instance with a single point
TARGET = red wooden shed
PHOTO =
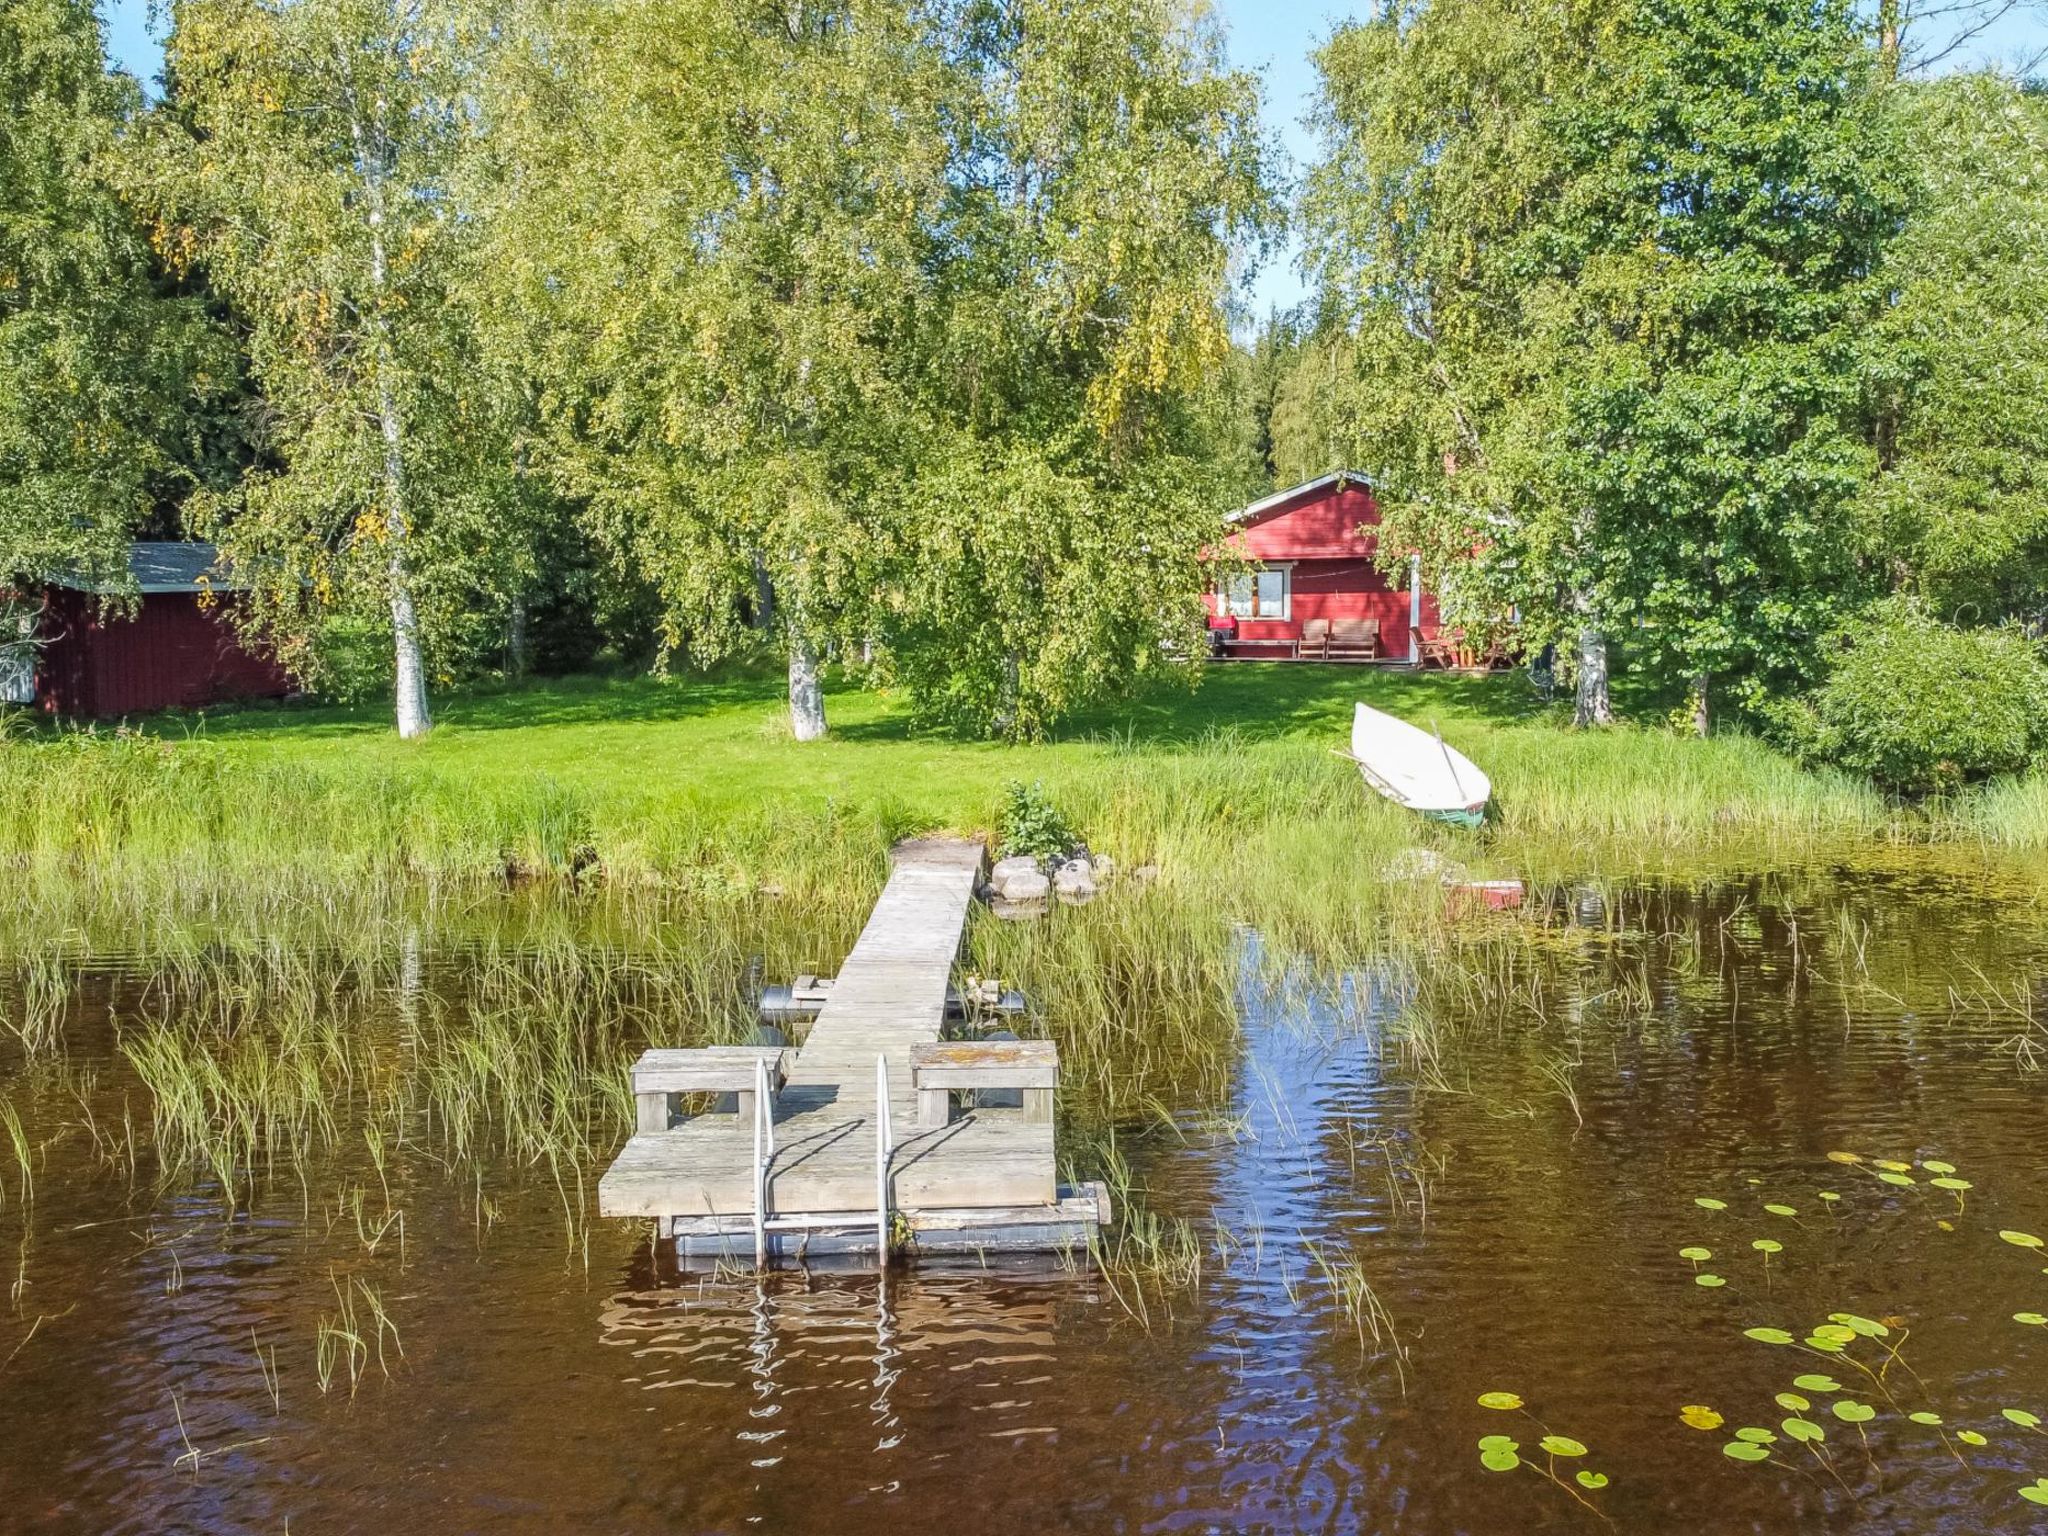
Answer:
(177, 650)
(1315, 573)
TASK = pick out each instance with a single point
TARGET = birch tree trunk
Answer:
(518, 646)
(1702, 718)
(1594, 706)
(806, 691)
(410, 690)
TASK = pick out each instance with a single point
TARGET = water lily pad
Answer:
(1830, 1196)
(1767, 1335)
(1562, 1445)
(1958, 1185)
(1804, 1430)
(1709, 1281)
(1590, 1479)
(1706, 1203)
(1824, 1344)
(1754, 1435)
(1793, 1401)
(1499, 1460)
(1499, 1443)
(1817, 1383)
(1899, 1179)
(1742, 1450)
(1501, 1400)
(2036, 1492)
(2032, 1319)
(1849, 1411)
(1868, 1327)
(2021, 1417)
(1924, 1417)
(1971, 1437)
(1933, 1165)
(1840, 1333)
(1890, 1164)
(1696, 1254)
(1845, 1157)
(1700, 1416)
(2021, 1239)
(1781, 1210)
(1767, 1245)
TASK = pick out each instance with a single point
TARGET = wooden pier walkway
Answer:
(986, 1180)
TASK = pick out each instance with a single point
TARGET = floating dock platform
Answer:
(868, 1137)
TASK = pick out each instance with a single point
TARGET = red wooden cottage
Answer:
(1316, 592)
(177, 650)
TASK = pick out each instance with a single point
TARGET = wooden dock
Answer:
(842, 1171)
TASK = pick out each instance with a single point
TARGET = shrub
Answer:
(1921, 707)
(1032, 825)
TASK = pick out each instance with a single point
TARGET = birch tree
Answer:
(723, 213)
(307, 147)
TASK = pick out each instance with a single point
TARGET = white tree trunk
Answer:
(1595, 707)
(1702, 717)
(806, 691)
(410, 691)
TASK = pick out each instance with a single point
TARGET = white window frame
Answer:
(1225, 603)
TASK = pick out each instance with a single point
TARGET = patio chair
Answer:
(1315, 640)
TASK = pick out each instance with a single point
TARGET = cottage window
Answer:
(1258, 595)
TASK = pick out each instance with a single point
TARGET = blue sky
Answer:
(1271, 36)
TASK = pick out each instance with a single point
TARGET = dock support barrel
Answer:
(939, 1071)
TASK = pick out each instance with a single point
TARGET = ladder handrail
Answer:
(884, 1146)
(764, 1154)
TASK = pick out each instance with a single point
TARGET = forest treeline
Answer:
(1706, 339)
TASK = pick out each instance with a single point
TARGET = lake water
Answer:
(1515, 1188)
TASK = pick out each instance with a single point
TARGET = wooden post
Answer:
(934, 1108)
(653, 1108)
(1038, 1106)
(1415, 610)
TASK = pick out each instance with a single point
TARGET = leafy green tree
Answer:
(106, 371)
(1109, 173)
(1959, 513)
(308, 152)
(887, 328)
(1611, 274)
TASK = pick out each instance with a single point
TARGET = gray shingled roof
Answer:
(163, 565)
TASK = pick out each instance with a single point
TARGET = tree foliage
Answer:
(1609, 271)
(888, 327)
(1959, 513)
(106, 370)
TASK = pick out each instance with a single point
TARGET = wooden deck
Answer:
(697, 1178)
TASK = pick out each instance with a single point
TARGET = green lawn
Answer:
(726, 740)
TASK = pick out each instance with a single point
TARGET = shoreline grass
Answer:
(691, 787)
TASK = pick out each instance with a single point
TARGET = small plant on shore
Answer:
(1032, 825)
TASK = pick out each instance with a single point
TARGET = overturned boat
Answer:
(1417, 768)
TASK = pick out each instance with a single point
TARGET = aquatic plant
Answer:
(1503, 1453)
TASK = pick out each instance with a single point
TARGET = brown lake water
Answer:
(1516, 1196)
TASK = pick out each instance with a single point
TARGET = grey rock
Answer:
(1008, 911)
(1074, 880)
(1024, 886)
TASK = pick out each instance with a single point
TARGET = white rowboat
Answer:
(1417, 768)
